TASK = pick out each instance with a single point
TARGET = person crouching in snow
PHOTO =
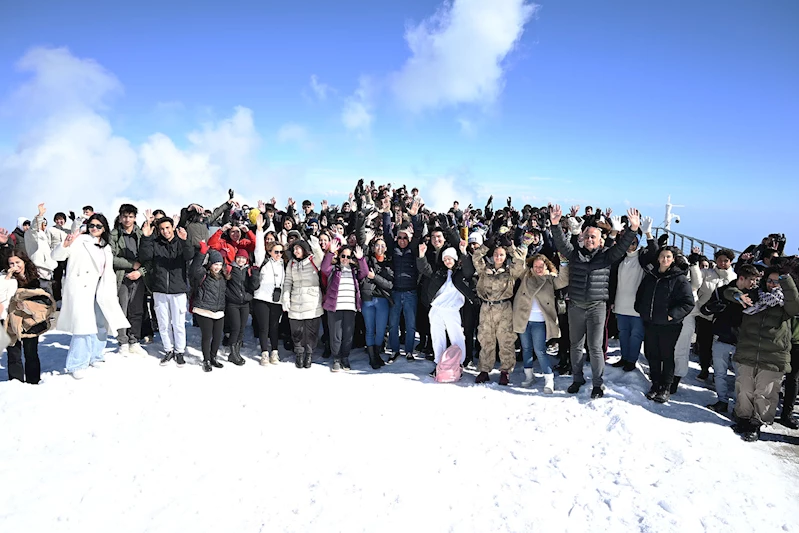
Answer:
(243, 281)
(496, 278)
(447, 291)
(763, 353)
(209, 285)
(535, 316)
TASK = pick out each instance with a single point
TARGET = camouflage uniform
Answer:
(496, 320)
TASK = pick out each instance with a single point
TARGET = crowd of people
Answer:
(382, 269)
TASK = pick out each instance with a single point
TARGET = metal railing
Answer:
(680, 241)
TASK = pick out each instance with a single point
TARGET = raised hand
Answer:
(3, 235)
(324, 205)
(181, 233)
(616, 223)
(422, 249)
(527, 239)
(608, 212)
(575, 226)
(292, 203)
(696, 250)
(462, 246)
(42, 209)
(574, 210)
(273, 200)
(259, 222)
(555, 214)
(334, 246)
(370, 235)
(176, 220)
(633, 218)
(71, 238)
(646, 225)
(358, 253)
(414, 209)
(261, 206)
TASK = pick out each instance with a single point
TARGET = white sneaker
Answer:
(264, 358)
(549, 383)
(79, 374)
(136, 349)
(274, 358)
(124, 349)
(529, 377)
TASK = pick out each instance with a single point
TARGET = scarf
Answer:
(766, 300)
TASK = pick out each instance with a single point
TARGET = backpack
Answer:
(449, 368)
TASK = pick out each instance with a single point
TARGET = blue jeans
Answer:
(535, 336)
(375, 318)
(631, 336)
(87, 349)
(405, 303)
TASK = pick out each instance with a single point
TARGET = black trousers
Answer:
(211, 330)
(564, 344)
(58, 274)
(236, 315)
(660, 341)
(470, 316)
(33, 369)
(268, 316)
(131, 299)
(305, 335)
(342, 327)
(791, 382)
(704, 342)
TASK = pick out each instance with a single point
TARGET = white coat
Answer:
(85, 282)
(37, 244)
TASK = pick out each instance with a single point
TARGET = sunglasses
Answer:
(277, 252)
(348, 256)
(773, 281)
(402, 238)
(95, 226)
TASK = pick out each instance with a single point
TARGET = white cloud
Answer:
(357, 115)
(320, 89)
(468, 128)
(295, 133)
(457, 54)
(72, 157)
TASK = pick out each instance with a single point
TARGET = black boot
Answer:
(215, 362)
(653, 390)
(345, 363)
(207, 366)
(674, 385)
(307, 361)
(298, 359)
(373, 357)
(336, 366)
(235, 354)
(326, 353)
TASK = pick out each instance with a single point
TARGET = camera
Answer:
(276, 293)
(677, 219)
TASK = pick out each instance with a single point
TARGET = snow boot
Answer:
(653, 390)
(298, 355)
(264, 358)
(215, 363)
(235, 354)
(207, 366)
(719, 407)
(574, 388)
(274, 358)
(167, 358)
(393, 358)
(629, 366)
(674, 385)
(529, 377)
(549, 383)
(597, 392)
(662, 395)
(752, 432)
(336, 366)
(504, 379)
(619, 363)
(482, 377)
(788, 421)
(307, 362)
(179, 359)
(375, 361)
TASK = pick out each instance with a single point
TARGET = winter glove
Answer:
(491, 242)
(615, 223)
(646, 225)
(505, 240)
(72, 215)
(230, 194)
(203, 247)
(574, 225)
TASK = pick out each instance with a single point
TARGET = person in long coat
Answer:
(90, 307)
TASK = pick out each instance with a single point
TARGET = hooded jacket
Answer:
(708, 279)
(383, 282)
(302, 292)
(37, 246)
(208, 292)
(496, 284)
(228, 248)
(542, 288)
(664, 295)
(765, 338)
(406, 274)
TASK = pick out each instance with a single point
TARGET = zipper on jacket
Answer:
(652, 305)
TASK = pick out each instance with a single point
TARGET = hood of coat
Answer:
(672, 272)
(305, 247)
(21, 221)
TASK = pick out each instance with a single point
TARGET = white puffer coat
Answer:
(302, 294)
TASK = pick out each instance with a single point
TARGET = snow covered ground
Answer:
(135, 447)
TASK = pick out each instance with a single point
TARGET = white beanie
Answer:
(450, 252)
(477, 237)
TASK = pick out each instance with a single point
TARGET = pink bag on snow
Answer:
(449, 369)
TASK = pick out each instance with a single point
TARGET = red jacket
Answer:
(228, 248)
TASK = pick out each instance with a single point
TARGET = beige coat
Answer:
(542, 288)
(25, 312)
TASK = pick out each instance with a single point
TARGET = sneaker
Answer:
(97, 364)
(336, 367)
(147, 339)
(619, 363)
(597, 392)
(433, 373)
(574, 388)
(653, 390)
(345, 363)
(274, 358)
(703, 374)
(167, 358)
(504, 379)
(264, 358)
(79, 374)
(393, 358)
(136, 349)
(470, 366)
(662, 396)
(124, 349)
(482, 377)
(719, 407)
(410, 357)
(179, 359)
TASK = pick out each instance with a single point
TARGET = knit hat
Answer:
(214, 257)
(477, 237)
(450, 252)
(241, 252)
(294, 233)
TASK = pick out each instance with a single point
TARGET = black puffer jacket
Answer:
(169, 260)
(664, 294)
(383, 282)
(406, 275)
(589, 272)
(208, 292)
(243, 283)
(460, 278)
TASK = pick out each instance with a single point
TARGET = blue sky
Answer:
(609, 103)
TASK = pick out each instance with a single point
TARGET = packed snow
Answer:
(135, 447)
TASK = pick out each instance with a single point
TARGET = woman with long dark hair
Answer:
(90, 307)
(267, 298)
(376, 300)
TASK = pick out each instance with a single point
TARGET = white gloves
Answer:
(575, 226)
(615, 222)
(646, 224)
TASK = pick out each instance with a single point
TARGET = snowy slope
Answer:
(139, 448)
